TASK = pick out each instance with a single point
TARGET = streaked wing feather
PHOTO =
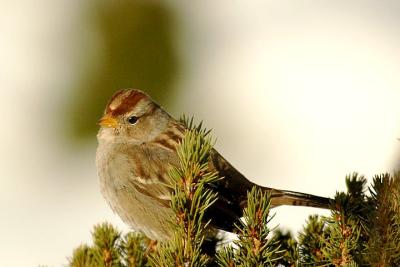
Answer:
(157, 191)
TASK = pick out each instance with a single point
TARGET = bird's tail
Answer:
(284, 197)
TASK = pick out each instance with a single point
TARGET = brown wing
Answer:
(232, 193)
(150, 165)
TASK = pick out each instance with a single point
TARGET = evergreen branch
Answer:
(311, 242)
(383, 246)
(82, 256)
(253, 247)
(110, 249)
(288, 248)
(190, 199)
(134, 250)
(341, 243)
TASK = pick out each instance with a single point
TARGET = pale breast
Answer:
(131, 180)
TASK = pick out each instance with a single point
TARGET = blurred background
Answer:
(298, 94)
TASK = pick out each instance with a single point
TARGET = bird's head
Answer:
(132, 116)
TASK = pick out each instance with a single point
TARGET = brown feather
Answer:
(126, 101)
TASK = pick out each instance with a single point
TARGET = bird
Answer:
(137, 143)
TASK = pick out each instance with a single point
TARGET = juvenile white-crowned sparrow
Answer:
(137, 142)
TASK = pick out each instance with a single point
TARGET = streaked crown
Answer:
(123, 101)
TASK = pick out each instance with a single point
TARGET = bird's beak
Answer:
(108, 121)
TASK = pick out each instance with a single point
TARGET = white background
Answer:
(299, 94)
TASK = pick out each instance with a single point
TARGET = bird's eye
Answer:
(132, 119)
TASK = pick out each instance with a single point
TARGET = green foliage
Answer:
(342, 229)
(288, 254)
(311, 241)
(341, 236)
(82, 257)
(383, 245)
(106, 246)
(135, 248)
(362, 229)
(111, 249)
(253, 248)
(190, 199)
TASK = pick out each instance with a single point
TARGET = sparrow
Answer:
(137, 143)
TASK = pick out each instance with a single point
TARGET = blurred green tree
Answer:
(137, 51)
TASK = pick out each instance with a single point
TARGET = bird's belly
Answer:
(139, 211)
(136, 209)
